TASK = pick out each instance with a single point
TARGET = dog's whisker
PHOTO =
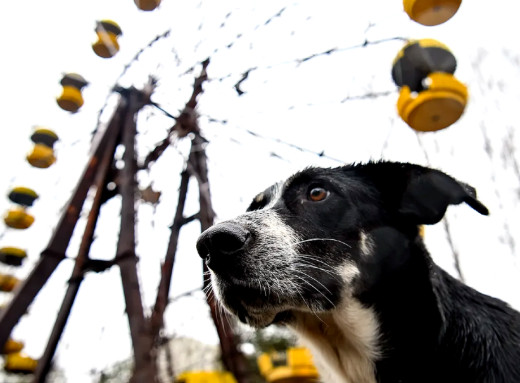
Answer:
(311, 310)
(226, 317)
(307, 264)
(210, 295)
(321, 239)
(262, 287)
(209, 291)
(314, 279)
(311, 261)
(275, 291)
(267, 290)
(315, 288)
(316, 259)
(207, 288)
(220, 316)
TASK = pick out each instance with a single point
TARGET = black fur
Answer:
(432, 327)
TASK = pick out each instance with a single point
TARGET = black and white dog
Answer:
(336, 255)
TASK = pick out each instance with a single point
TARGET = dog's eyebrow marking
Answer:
(259, 198)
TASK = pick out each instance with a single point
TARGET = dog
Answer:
(336, 255)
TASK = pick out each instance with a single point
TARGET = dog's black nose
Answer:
(221, 241)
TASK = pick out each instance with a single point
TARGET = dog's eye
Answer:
(318, 194)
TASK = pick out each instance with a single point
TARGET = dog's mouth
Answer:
(257, 306)
(259, 298)
(260, 318)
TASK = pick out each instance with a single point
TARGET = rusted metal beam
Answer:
(157, 318)
(185, 124)
(54, 253)
(126, 258)
(82, 258)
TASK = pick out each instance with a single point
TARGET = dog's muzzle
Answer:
(222, 244)
(239, 276)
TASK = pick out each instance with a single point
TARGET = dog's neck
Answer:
(409, 313)
(367, 335)
(421, 326)
(343, 341)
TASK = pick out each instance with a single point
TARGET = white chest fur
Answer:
(344, 342)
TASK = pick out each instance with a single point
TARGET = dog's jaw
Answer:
(256, 313)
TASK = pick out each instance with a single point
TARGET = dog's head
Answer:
(307, 243)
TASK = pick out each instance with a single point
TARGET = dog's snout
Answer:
(223, 239)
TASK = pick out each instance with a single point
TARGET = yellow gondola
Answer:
(12, 256)
(23, 196)
(436, 107)
(292, 366)
(44, 136)
(20, 363)
(431, 12)
(417, 59)
(147, 5)
(41, 156)
(107, 32)
(18, 218)
(71, 98)
(205, 377)
(8, 282)
(12, 346)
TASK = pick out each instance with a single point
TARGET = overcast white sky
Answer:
(297, 102)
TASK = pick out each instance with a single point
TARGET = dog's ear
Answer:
(429, 193)
(418, 194)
